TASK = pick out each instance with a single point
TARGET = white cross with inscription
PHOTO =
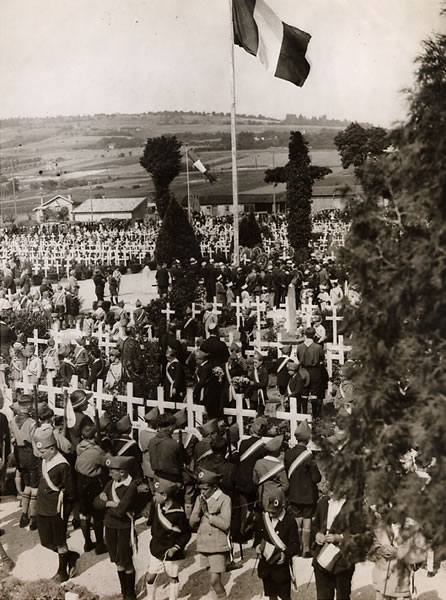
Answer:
(166, 311)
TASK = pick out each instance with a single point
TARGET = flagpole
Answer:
(236, 258)
(188, 185)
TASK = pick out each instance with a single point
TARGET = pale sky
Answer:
(102, 56)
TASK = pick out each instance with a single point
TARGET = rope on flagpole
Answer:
(236, 257)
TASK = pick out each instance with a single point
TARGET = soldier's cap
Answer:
(124, 425)
(303, 432)
(259, 426)
(181, 418)
(165, 420)
(79, 399)
(45, 412)
(44, 437)
(123, 463)
(205, 476)
(273, 498)
(234, 433)
(210, 427)
(104, 421)
(164, 486)
(152, 415)
(274, 444)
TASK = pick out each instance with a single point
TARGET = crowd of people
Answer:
(266, 488)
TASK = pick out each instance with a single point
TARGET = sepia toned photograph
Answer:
(222, 308)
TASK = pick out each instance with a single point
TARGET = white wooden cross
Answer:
(196, 311)
(260, 308)
(105, 342)
(36, 341)
(166, 311)
(336, 352)
(238, 310)
(215, 306)
(307, 311)
(335, 320)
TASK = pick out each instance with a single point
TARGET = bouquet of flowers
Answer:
(240, 384)
(218, 373)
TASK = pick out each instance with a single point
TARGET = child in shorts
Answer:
(211, 517)
(170, 535)
(118, 499)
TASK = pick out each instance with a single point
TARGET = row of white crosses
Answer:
(136, 406)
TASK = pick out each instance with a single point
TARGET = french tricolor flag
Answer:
(280, 47)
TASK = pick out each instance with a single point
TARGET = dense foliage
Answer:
(249, 231)
(396, 254)
(299, 175)
(357, 145)
(176, 237)
(162, 159)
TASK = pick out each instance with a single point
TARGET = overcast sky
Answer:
(104, 56)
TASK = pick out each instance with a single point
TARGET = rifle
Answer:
(36, 404)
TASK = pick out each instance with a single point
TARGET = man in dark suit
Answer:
(311, 358)
(216, 349)
(175, 380)
(334, 522)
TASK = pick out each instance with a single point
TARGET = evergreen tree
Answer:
(249, 231)
(176, 237)
(162, 159)
(397, 257)
(299, 175)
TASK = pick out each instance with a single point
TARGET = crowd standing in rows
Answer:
(90, 471)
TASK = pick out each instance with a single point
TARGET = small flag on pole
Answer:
(279, 47)
(200, 166)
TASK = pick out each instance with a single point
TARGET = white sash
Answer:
(272, 533)
(126, 446)
(117, 499)
(260, 391)
(231, 387)
(258, 444)
(283, 363)
(306, 454)
(272, 472)
(58, 460)
(169, 376)
(165, 521)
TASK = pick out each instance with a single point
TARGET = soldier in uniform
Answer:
(269, 471)
(118, 500)
(277, 541)
(170, 534)
(165, 454)
(303, 475)
(54, 492)
(22, 430)
(124, 445)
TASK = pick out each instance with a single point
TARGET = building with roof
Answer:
(266, 199)
(98, 209)
(53, 207)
